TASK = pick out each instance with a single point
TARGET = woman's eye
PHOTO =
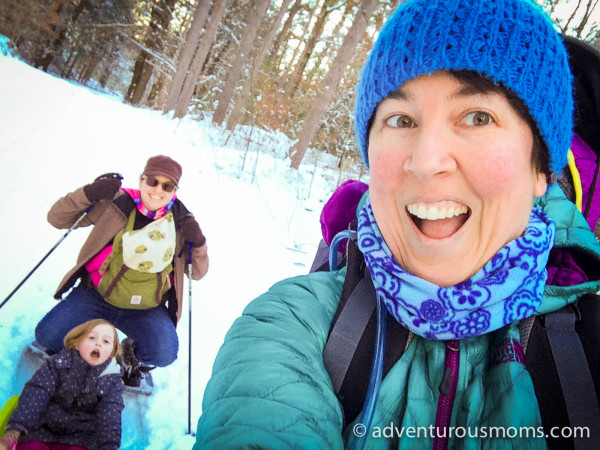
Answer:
(400, 121)
(477, 119)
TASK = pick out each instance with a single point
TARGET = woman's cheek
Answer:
(491, 174)
(385, 166)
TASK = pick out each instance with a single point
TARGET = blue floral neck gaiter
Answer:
(507, 288)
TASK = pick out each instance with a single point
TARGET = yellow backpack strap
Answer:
(576, 180)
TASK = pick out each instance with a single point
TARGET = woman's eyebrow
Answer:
(466, 90)
(400, 94)
(469, 90)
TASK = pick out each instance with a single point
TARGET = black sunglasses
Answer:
(167, 187)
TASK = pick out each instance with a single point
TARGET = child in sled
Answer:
(74, 401)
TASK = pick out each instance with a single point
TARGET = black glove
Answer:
(191, 232)
(102, 188)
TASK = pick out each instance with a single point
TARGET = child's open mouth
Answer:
(439, 220)
(95, 354)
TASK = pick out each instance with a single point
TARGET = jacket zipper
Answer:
(447, 393)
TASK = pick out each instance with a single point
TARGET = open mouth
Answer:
(440, 220)
(95, 354)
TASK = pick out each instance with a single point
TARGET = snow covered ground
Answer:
(261, 220)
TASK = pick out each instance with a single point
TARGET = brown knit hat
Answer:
(165, 166)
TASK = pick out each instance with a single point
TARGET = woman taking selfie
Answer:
(464, 116)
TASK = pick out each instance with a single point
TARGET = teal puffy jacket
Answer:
(269, 387)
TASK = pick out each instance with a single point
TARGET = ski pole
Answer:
(106, 175)
(190, 338)
(48, 254)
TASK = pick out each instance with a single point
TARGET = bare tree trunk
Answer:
(192, 41)
(46, 56)
(73, 62)
(160, 18)
(258, 60)
(88, 70)
(140, 78)
(112, 58)
(331, 81)
(156, 96)
(589, 9)
(66, 72)
(566, 27)
(330, 50)
(212, 61)
(193, 74)
(315, 34)
(293, 61)
(248, 37)
(286, 28)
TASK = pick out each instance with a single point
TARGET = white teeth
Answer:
(423, 211)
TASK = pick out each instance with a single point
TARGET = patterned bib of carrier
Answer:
(151, 248)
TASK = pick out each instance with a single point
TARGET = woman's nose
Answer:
(432, 153)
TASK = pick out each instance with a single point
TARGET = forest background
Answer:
(286, 65)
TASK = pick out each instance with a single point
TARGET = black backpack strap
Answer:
(348, 330)
(574, 375)
(348, 354)
(525, 327)
(179, 211)
(125, 204)
(573, 342)
(320, 262)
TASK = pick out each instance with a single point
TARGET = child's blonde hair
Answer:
(80, 332)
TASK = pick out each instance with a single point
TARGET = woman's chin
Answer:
(153, 206)
(444, 275)
(443, 259)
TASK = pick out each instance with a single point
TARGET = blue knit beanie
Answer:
(511, 41)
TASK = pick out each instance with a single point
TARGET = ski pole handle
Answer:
(190, 269)
(109, 175)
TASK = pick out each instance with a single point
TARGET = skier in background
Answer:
(130, 269)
